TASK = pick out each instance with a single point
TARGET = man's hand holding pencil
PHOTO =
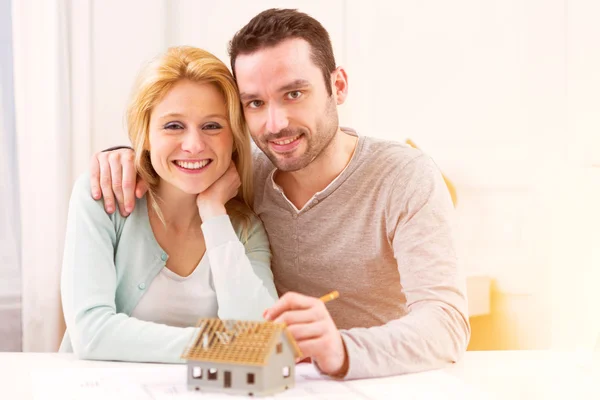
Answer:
(310, 324)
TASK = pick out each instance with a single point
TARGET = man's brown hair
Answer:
(273, 26)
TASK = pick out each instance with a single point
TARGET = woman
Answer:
(133, 288)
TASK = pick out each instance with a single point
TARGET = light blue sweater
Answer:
(109, 261)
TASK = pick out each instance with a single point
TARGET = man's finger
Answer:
(289, 301)
(95, 177)
(311, 347)
(129, 180)
(106, 184)
(116, 176)
(307, 331)
(304, 316)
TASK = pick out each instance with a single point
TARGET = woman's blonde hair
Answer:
(154, 82)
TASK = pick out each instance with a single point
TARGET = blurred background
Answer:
(503, 94)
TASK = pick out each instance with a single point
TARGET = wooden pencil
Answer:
(330, 296)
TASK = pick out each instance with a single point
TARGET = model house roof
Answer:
(236, 342)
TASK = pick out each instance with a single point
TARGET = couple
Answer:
(366, 217)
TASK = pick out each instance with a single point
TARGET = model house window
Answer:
(197, 373)
(279, 348)
(250, 379)
(286, 372)
(212, 374)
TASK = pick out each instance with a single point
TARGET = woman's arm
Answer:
(88, 288)
(241, 272)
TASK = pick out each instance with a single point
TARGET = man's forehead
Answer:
(286, 55)
(276, 66)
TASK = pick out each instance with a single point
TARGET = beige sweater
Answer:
(380, 234)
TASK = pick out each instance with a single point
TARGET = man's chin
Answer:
(289, 165)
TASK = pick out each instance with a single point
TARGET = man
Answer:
(366, 217)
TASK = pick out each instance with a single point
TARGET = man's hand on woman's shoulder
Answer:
(113, 175)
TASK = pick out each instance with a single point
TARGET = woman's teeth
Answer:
(192, 165)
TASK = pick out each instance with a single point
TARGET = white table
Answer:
(502, 374)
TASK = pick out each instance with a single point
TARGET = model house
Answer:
(243, 357)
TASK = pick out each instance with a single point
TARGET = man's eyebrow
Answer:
(247, 96)
(298, 83)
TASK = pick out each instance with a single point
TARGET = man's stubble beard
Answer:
(317, 144)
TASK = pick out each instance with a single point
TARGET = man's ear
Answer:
(339, 85)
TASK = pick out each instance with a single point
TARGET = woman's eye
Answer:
(295, 94)
(212, 126)
(173, 126)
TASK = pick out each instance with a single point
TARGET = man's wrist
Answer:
(340, 372)
(343, 371)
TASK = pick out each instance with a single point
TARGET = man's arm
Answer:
(436, 329)
(113, 175)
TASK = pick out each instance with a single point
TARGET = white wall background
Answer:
(504, 94)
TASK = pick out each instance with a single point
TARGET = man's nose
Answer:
(276, 119)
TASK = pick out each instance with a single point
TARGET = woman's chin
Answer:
(192, 190)
(186, 186)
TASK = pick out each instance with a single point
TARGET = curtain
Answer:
(43, 126)
(10, 275)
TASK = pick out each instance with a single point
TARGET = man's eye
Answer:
(254, 104)
(294, 95)
(173, 126)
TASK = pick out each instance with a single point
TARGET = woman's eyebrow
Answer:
(178, 115)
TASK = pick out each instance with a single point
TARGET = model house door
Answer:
(227, 381)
